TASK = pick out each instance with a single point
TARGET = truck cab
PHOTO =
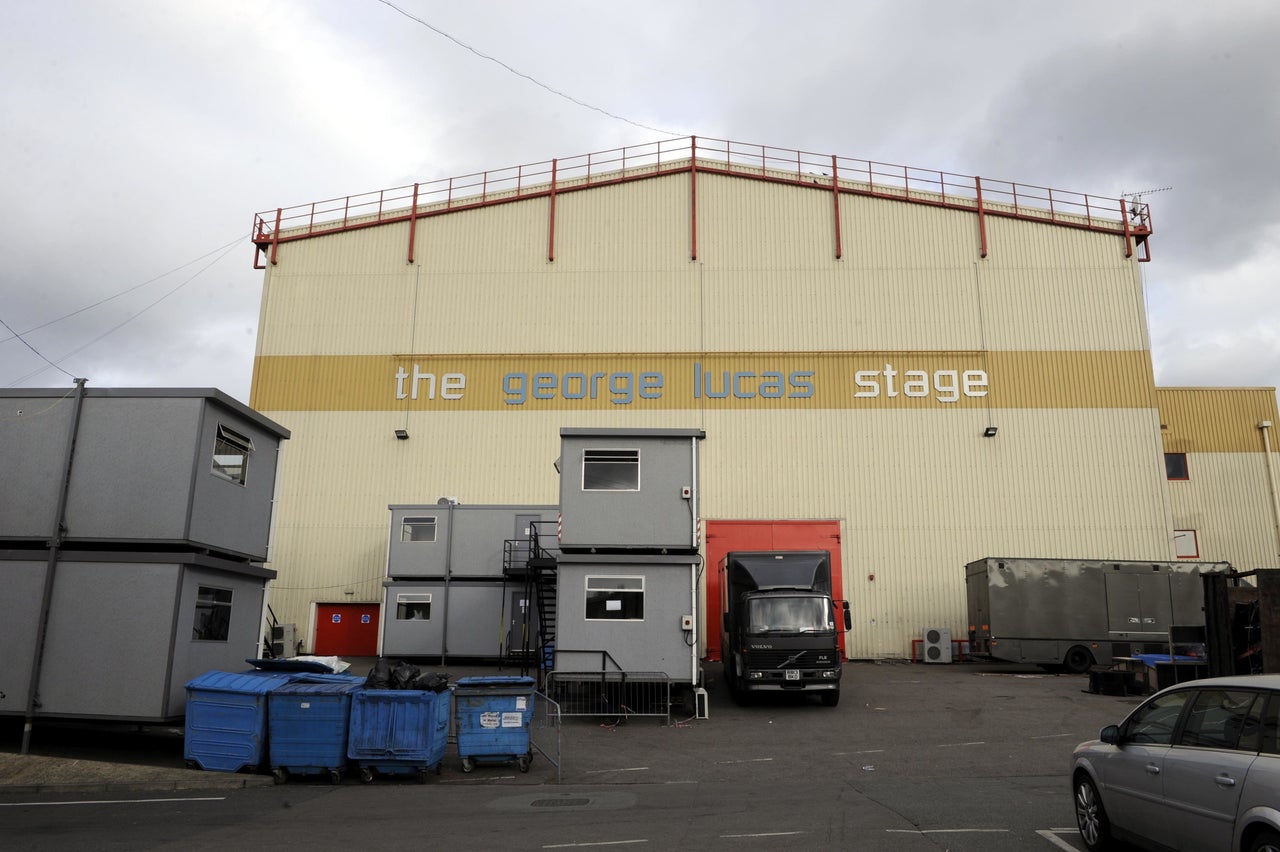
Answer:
(780, 624)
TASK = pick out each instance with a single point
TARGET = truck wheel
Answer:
(1078, 659)
(831, 699)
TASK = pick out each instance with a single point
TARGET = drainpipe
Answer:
(55, 545)
(1265, 428)
(448, 575)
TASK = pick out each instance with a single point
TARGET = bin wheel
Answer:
(335, 776)
(422, 776)
(366, 775)
(280, 775)
(439, 767)
(191, 764)
(523, 762)
(468, 764)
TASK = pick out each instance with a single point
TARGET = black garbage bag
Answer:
(403, 675)
(432, 682)
(379, 676)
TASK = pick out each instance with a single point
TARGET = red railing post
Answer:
(551, 234)
(693, 199)
(835, 202)
(982, 221)
(275, 237)
(413, 221)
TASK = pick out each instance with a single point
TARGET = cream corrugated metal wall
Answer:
(1054, 315)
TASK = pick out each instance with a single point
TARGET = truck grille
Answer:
(807, 659)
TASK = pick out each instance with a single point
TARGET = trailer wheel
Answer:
(1078, 659)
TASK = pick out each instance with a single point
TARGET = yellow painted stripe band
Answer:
(900, 380)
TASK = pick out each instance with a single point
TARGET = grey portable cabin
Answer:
(455, 582)
(126, 631)
(152, 467)
(628, 613)
(1080, 612)
(629, 489)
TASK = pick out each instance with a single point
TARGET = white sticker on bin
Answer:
(490, 720)
(522, 703)
(513, 720)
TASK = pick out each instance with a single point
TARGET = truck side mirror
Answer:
(848, 617)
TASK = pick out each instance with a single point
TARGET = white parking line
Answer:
(753, 760)
(1051, 736)
(946, 830)
(111, 802)
(626, 769)
(1051, 835)
(768, 834)
(959, 745)
(598, 843)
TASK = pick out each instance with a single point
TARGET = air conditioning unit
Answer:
(284, 640)
(937, 645)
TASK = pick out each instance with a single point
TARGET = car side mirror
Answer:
(1110, 735)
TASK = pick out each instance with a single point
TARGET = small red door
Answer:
(728, 536)
(346, 630)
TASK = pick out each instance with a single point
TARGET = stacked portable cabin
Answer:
(134, 525)
(627, 579)
(455, 579)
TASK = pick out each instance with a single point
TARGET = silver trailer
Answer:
(1077, 613)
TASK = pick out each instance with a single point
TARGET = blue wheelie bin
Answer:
(308, 725)
(398, 731)
(494, 714)
(226, 726)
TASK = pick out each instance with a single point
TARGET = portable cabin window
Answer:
(610, 470)
(231, 455)
(422, 528)
(615, 599)
(1186, 544)
(413, 607)
(213, 615)
(1175, 466)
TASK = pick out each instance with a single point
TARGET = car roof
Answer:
(1262, 681)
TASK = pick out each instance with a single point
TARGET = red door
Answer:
(346, 630)
(727, 536)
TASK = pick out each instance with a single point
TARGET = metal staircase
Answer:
(535, 565)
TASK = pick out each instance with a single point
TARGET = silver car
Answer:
(1196, 767)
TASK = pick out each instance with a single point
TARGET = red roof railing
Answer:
(982, 196)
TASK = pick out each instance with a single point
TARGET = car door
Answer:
(1205, 769)
(1131, 774)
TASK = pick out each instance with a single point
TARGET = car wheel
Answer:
(1091, 817)
(1267, 841)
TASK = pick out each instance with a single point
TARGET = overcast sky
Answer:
(140, 137)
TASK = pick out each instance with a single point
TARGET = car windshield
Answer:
(790, 614)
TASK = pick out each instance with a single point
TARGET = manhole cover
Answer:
(560, 803)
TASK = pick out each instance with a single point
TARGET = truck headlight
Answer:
(755, 675)
(829, 675)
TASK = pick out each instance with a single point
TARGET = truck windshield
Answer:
(792, 614)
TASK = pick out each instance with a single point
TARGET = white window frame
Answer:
(630, 453)
(420, 520)
(412, 598)
(228, 438)
(587, 591)
(1181, 547)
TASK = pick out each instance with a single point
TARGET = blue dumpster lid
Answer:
(309, 688)
(496, 680)
(250, 683)
(278, 665)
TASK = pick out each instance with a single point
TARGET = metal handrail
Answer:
(805, 168)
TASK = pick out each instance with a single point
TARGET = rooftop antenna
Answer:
(1135, 198)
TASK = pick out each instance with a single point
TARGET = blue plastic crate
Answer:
(494, 715)
(398, 731)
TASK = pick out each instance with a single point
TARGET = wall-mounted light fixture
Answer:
(989, 432)
(402, 434)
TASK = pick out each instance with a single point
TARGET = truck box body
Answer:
(780, 623)
(1080, 612)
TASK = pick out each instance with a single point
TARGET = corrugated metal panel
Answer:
(1228, 501)
(1217, 420)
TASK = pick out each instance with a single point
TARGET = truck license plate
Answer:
(791, 674)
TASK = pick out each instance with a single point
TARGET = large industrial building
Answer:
(911, 368)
